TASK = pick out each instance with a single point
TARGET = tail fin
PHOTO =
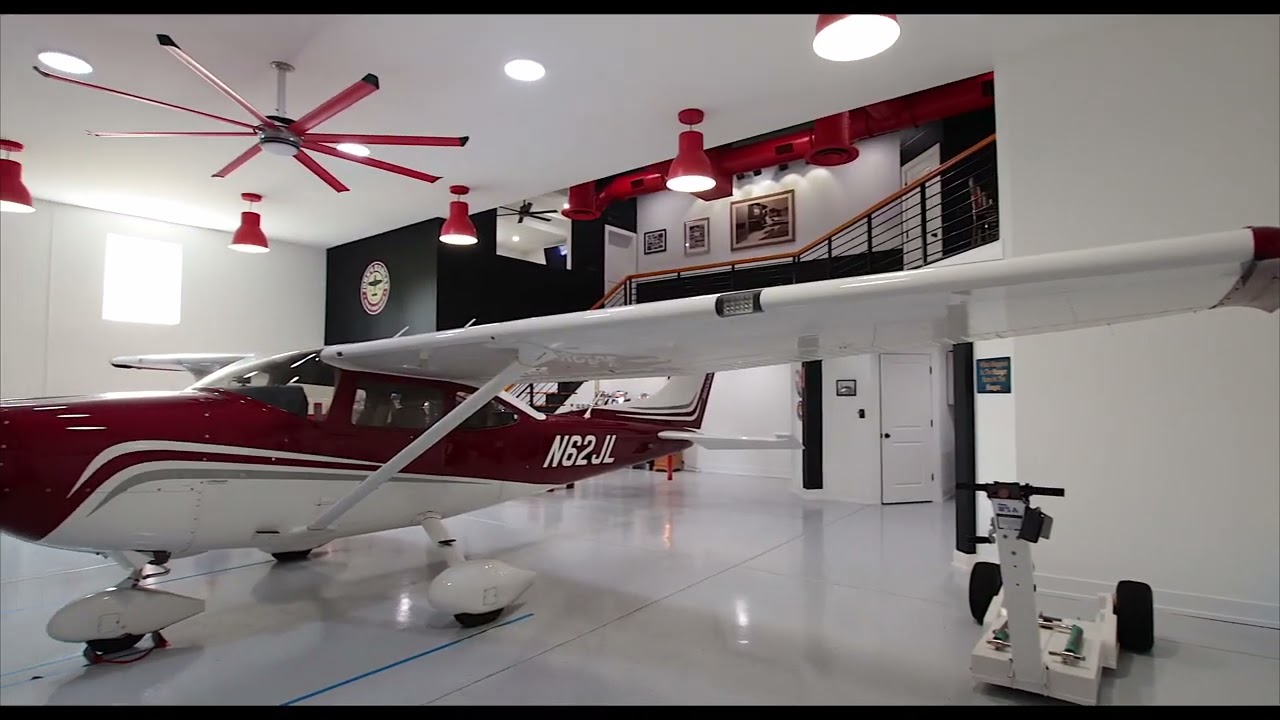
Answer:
(681, 403)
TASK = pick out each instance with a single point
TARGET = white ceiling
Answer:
(614, 84)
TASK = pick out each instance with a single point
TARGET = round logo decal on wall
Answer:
(375, 287)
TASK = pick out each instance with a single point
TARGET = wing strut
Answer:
(420, 444)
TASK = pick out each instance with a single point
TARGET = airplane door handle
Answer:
(886, 434)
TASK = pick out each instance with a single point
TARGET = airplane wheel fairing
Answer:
(292, 555)
(469, 620)
(114, 613)
(113, 645)
(478, 587)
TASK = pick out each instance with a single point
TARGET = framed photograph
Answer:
(696, 237)
(655, 241)
(846, 388)
(764, 220)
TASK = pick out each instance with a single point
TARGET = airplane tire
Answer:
(110, 646)
(471, 620)
(1135, 616)
(984, 583)
(292, 555)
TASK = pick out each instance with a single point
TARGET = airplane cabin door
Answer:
(906, 428)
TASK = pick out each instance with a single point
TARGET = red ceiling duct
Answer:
(829, 142)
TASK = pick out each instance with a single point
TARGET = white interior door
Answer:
(918, 248)
(906, 428)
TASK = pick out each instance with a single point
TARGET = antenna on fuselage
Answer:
(402, 330)
(470, 323)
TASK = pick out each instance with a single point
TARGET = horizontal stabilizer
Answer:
(779, 441)
(198, 364)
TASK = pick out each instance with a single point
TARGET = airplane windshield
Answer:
(298, 382)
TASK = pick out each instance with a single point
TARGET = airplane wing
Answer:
(847, 316)
(198, 364)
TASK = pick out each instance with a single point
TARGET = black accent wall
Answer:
(410, 256)
(966, 469)
(435, 286)
(811, 426)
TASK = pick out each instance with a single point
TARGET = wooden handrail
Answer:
(914, 185)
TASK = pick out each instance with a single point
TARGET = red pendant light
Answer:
(691, 171)
(842, 38)
(14, 196)
(458, 228)
(249, 237)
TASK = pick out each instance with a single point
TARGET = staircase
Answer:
(948, 211)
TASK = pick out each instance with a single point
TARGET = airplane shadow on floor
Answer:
(104, 684)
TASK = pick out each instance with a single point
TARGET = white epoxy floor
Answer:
(705, 589)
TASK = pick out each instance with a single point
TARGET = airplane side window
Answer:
(396, 405)
(492, 414)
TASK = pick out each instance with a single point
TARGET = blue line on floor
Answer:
(24, 681)
(149, 584)
(411, 658)
(43, 664)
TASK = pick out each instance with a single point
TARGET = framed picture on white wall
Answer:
(655, 241)
(697, 237)
(763, 220)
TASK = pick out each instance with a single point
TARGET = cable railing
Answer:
(950, 210)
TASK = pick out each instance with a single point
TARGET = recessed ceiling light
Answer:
(353, 149)
(515, 238)
(65, 63)
(524, 70)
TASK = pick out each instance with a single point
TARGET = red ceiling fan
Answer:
(281, 135)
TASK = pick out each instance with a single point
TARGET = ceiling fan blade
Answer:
(419, 140)
(536, 216)
(310, 163)
(243, 158)
(177, 52)
(170, 134)
(359, 90)
(139, 98)
(379, 164)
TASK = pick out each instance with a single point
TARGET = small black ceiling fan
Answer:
(526, 210)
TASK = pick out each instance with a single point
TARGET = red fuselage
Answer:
(57, 453)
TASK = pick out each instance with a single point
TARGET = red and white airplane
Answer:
(289, 452)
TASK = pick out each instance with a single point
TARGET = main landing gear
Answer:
(112, 621)
(475, 592)
(1025, 649)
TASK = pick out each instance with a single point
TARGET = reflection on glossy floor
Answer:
(705, 589)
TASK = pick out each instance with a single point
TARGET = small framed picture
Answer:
(846, 388)
(696, 234)
(655, 241)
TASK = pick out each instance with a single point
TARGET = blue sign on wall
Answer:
(995, 375)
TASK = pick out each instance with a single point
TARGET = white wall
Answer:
(1164, 433)
(851, 445)
(53, 339)
(824, 199)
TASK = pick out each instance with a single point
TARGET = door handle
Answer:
(886, 434)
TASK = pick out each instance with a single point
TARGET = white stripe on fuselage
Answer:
(133, 446)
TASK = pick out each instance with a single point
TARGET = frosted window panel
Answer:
(142, 281)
